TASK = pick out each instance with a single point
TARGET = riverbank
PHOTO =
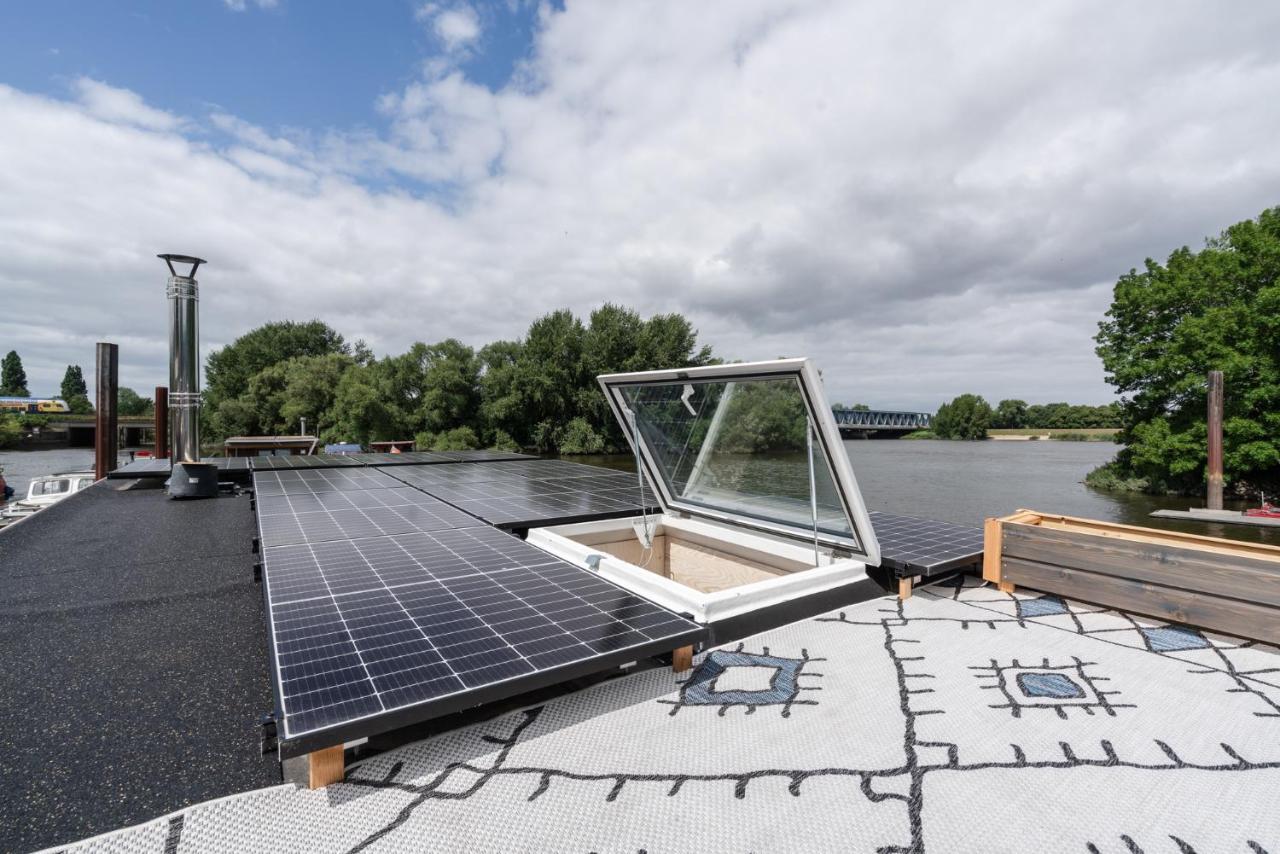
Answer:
(1066, 434)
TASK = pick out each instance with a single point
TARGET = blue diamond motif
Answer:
(701, 687)
(1174, 639)
(1041, 606)
(1055, 685)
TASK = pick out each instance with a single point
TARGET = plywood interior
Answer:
(697, 565)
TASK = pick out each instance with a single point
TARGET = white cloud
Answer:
(242, 5)
(926, 201)
(457, 27)
(122, 106)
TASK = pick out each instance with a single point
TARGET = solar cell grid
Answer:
(320, 480)
(276, 505)
(358, 522)
(366, 627)
(303, 461)
(915, 546)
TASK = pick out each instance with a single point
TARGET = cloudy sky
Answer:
(926, 198)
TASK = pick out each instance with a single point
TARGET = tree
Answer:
(129, 402)
(13, 378)
(1171, 323)
(1010, 414)
(73, 384)
(80, 405)
(966, 417)
(10, 431)
(229, 370)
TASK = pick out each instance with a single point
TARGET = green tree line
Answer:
(969, 416)
(1169, 325)
(538, 391)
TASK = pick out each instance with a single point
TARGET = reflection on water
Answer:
(965, 482)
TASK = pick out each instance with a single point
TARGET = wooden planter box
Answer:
(1217, 584)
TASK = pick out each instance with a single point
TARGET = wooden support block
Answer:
(682, 659)
(1006, 586)
(991, 550)
(904, 588)
(325, 767)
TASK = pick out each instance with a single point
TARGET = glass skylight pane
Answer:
(738, 446)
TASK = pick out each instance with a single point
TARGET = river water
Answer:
(965, 482)
(960, 482)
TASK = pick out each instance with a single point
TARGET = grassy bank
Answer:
(1069, 434)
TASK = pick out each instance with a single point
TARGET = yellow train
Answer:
(33, 405)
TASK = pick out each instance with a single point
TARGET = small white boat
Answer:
(44, 492)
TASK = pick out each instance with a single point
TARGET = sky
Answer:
(925, 198)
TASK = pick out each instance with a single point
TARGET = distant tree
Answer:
(10, 431)
(966, 417)
(1167, 327)
(73, 384)
(13, 378)
(310, 389)
(437, 385)
(80, 405)
(1010, 414)
(129, 402)
(363, 410)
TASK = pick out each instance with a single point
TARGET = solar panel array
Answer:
(388, 605)
(518, 495)
(407, 458)
(912, 546)
(146, 467)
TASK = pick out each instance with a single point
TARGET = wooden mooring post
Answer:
(162, 422)
(1214, 491)
(106, 436)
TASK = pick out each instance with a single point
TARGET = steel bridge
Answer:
(865, 423)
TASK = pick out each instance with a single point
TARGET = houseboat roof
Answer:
(138, 672)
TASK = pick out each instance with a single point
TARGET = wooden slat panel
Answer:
(1218, 573)
(1231, 616)
(1153, 535)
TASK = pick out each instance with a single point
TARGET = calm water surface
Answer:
(965, 482)
(20, 466)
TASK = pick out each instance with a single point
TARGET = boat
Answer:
(1266, 511)
(45, 491)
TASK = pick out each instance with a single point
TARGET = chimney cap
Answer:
(195, 263)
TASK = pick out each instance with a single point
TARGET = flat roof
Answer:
(135, 662)
(961, 720)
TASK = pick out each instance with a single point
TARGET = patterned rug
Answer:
(964, 720)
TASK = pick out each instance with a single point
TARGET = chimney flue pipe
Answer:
(184, 359)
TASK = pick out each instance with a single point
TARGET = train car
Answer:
(33, 405)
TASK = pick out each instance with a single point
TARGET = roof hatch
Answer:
(734, 443)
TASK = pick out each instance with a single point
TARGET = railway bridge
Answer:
(879, 424)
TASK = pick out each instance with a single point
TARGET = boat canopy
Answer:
(753, 444)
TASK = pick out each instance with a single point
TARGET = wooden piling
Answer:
(1214, 491)
(162, 422)
(106, 438)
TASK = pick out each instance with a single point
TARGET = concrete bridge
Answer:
(878, 424)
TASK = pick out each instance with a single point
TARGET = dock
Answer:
(1226, 517)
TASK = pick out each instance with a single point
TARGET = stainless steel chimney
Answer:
(184, 359)
(189, 478)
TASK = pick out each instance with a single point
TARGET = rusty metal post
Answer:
(162, 422)
(106, 424)
(1215, 441)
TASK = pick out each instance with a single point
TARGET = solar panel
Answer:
(511, 471)
(406, 458)
(315, 526)
(304, 461)
(150, 467)
(370, 634)
(267, 483)
(482, 456)
(911, 546)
